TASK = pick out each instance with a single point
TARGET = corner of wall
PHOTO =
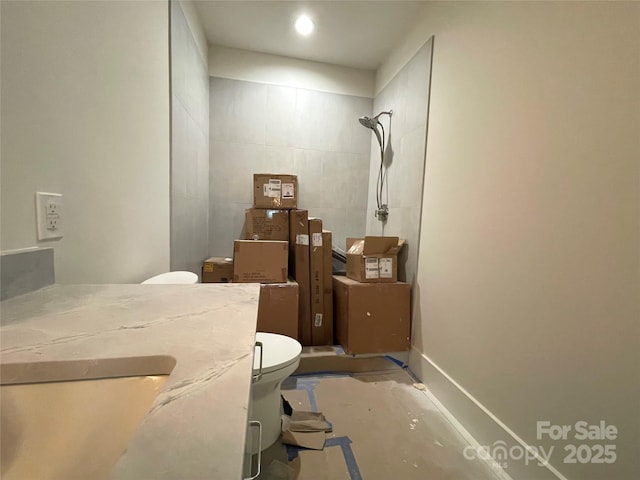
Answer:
(195, 25)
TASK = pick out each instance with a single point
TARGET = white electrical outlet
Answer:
(49, 215)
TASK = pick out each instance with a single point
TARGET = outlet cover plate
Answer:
(49, 215)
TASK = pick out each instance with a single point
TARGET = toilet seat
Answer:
(278, 352)
(173, 278)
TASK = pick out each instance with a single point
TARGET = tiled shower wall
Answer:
(407, 94)
(189, 147)
(261, 128)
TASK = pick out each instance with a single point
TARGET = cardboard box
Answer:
(217, 270)
(278, 308)
(322, 329)
(260, 261)
(317, 277)
(266, 224)
(373, 259)
(371, 317)
(300, 271)
(275, 191)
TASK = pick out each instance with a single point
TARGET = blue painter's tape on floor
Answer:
(394, 360)
(345, 445)
(323, 374)
(349, 458)
(309, 383)
(292, 452)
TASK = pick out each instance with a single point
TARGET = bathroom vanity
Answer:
(196, 427)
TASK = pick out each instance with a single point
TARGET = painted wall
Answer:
(85, 113)
(189, 142)
(407, 95)
(529, 270)
(237, 64)
(262, 128)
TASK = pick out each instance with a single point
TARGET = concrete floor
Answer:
(383, 427)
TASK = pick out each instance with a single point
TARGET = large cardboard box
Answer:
(373, 259)
(317, 277)
(300, 271)
(266, 224)
(278, 308)
(322, 330)
(217, 270)
(260, 261)
(275, 191)
(371, 317)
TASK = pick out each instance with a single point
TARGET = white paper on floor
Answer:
(305, 429)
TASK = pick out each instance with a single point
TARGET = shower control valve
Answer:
(382, 213)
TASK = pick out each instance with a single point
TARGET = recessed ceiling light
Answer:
(304, 25)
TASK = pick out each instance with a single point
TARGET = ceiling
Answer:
(358, 34)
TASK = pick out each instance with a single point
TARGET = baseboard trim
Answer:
(475, 422)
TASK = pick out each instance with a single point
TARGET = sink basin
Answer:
(73, 419)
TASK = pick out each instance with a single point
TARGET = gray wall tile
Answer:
(281, 107)
(189, 148)
(232, 166)
(25, 271)
(238, 111)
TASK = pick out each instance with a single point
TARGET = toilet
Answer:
(173, 278)
(280, 358)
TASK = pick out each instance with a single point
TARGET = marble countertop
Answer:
(197, 425)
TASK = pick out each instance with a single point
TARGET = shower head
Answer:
(368, 122)
(371, 123)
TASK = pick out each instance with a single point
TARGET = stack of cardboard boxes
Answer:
(280, 241)
(372, 309)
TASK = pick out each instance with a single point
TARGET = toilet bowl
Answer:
(280, 358)
(173, 278)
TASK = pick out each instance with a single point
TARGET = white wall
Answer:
(529, 268)
(189, 141)
(85, 113)
(258, 67)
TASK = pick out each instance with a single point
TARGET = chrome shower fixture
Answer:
(382, 211)
(373, 123)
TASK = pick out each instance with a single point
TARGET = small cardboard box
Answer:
(317, 277)
(371, 317)
(272, 190)
(278, 308)
(217, 270)
(299, 265)
(373, 259)
(266, 224)
(260, 261)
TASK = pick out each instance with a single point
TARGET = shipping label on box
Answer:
(371, 268)
(217, 270)
(266, 224)
(260, 261)
(275, 191)
(288, 191)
